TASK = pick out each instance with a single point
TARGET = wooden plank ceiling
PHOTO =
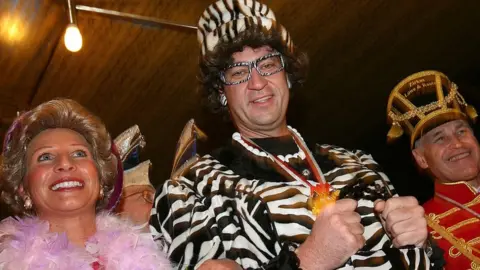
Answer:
(130, 73)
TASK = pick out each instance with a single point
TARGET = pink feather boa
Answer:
(27, 244)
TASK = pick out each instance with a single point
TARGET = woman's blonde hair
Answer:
(57, 113)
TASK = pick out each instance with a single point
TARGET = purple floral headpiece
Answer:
(15, 125)
(117, 189)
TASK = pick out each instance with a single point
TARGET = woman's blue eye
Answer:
(45, 157)
(79, 153)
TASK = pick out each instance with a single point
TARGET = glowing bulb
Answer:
(12, 29)
(73, 38)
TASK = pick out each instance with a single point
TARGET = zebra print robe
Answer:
(237, 206)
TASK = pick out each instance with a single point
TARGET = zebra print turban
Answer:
(423, 101)
(225, 19)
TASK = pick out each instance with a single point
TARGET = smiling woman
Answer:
(58, 173)
(35, 132)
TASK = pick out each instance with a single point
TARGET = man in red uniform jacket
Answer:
(428, 107)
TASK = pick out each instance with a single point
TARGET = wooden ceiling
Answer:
(132, 73)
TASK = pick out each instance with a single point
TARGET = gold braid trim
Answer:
(463, 223)
(474, 241)
(465, 249)
(455, 209)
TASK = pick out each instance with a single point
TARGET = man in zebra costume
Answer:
(428, 107)
(265, 200)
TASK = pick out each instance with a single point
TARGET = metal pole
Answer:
(133, 17)
(72, 18)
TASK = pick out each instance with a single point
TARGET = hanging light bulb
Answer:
(73, 38)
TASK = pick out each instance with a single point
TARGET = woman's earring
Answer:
(223, 100)
(28, 203)
(101, 193)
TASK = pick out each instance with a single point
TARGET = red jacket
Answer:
(453, 221)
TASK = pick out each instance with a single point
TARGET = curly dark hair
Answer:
(57, 113)
(296, 63)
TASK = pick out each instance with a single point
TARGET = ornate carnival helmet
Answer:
(423, 101)
(129, 143)
(223, 20)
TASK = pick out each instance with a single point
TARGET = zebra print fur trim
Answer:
(223, 20)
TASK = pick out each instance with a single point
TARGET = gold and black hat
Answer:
(423, 101)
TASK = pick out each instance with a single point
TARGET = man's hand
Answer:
(403, 219)
(220, 264)
(336, 235)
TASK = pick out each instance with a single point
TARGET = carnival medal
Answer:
(321, 194)
(320, 197)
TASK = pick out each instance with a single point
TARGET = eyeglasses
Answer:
(242, 71)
